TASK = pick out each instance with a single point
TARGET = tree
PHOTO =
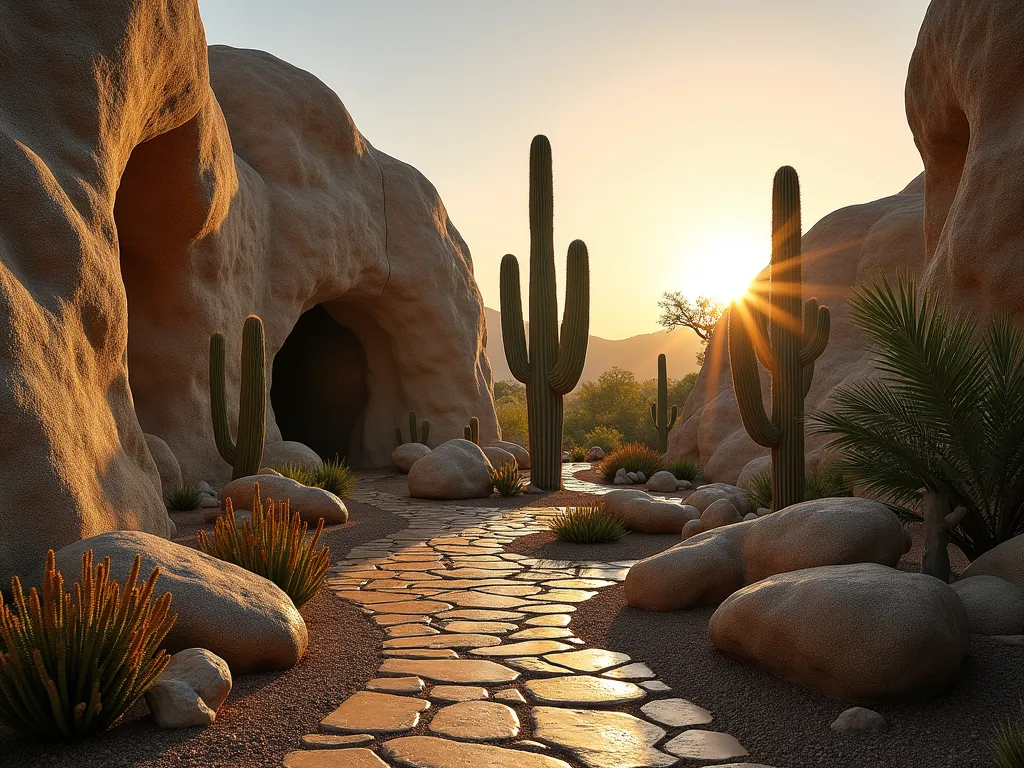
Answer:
(510, 407)
(700, 315)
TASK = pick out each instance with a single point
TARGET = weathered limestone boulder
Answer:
(662, 482)
(834, 531)
(719, 513)
(522, 455)
(703, 570)
(407, 454)
(498, 456)
(166, 464)
(706, 495)
(284, 452)
(859, 632)
(239, 616)
(190, 690)
(645, 514)
(1005, 561)
(227, 182)
(457, 469)
(994, 606)
(311, 503)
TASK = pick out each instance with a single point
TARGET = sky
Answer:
(667, 119)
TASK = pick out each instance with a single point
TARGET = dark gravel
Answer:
(266, 714)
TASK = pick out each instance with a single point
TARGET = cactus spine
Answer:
(787, 342)
(659, 410)
(552, 366)
(423, 434)
(245, 455)
(472, 432)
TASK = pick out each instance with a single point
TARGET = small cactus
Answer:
(659, 410)
(472, 431)
(415, 436)
(245, 454)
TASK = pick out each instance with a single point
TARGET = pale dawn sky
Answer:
(667, 119)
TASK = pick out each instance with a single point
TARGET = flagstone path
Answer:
(478, 642)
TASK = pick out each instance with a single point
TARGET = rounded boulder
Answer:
(311, 503)
(1005, 561)
(166, 464)
(860, 632)
(662, 482)
(994, 606)
(707, 495)
(498, 456)
(285, 452)
(241, 617)
(522, 455)
(407, 454)
(719, 513)
(190, 690)
(457, 469)
(645, 514)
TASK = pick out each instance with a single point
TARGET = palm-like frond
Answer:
(945, 413)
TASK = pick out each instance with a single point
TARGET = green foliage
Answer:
(760, 491)
(825, 483)
(510, 407)
(578, 453)
(333, 475)
(73, 663)
(686, 469)
(589, 524)
(472, 431)
(272, 544)
(607, 438)
(554, 361)
(700, 315)
(1008, 745)
(507, 479)
(659, 410)
(246, 454)
(945, 412)
(184, 498)
(415, 435)
(634, 458)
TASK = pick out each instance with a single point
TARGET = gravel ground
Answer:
(266, 714)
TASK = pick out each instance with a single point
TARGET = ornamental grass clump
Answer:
(633, 457)
(300, 473)
(507, 479)
(825, 483)
(685, 469)
(1008, 745)
(333, 475)
(72, 663)
(588, 524)
(272, 544)
(184, 498)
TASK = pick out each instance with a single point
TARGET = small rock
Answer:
(208, 502)
(190, 690)
(859, 720)
(641, 477)
(762, 511)
(531, 488)
(691, 528)
(621, 481)
(595, 453)
(407, 454)
(662, 482)
(683, 485)
(566, 458)
(205, 487)
(621, 472)
(750, 516)
(633, 477)
(719, 513)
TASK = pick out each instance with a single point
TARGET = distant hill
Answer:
(638, 354)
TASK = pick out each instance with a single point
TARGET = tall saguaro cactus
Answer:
(246, 454)
(659, 410)
(554, 364)
(787, 342)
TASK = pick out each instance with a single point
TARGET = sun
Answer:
(723, 265)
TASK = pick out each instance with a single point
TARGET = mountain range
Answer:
(638, 354)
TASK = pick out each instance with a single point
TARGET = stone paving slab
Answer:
(371, 712)
(434, 752)
(333, 758)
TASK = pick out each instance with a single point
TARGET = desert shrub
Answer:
(685, 469)
(945, 412)
(589, 524)
(507, 479)
(72, 663)
(759, 492)
(1008, 745)
(608, 438)
(184, 498)
(333, 475)
(272, 544)
(634, 458)
(825, 483)
(578, 453)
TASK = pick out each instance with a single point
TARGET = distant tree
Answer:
(700, 315)
(510, 407)
(679, 389)
(609, 438)
(512, 389)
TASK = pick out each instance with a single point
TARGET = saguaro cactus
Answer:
(246, 454)
(553, 365)
(472, 431)
(785, 344)
(659, 410)
(414, 435)
(938, 522)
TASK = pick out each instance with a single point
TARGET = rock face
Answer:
(311, 503)
(994, 606)
(190, 690)
(166, 464)
(407, 454)
(227, 182)
(239, 616)
(290, 452)
(1005, 561)
(709, 566)
(646, 514)
(457, 469)
(859, 632)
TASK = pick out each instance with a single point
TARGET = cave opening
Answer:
(320, 391)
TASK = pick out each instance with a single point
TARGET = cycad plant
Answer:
(72, 663)
(945, 415)
(272, 544)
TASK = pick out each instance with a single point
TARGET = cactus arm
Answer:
(425, 432)
(413, 432)
(675, 413)
(817, 324)
(654, 414)
(807, 373)
(572, 351)
(513, 332)
(218, 400)
(759, 336)
(466, 434)
(746, 381)
(474, 429)
(252, 403)
(398, 436)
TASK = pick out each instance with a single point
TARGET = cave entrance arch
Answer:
(320, 386)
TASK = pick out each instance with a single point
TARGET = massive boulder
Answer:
(1005, 561)
(860, 632)
(457, 469)
(312, 504)
(164, 192)
(644, 513)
